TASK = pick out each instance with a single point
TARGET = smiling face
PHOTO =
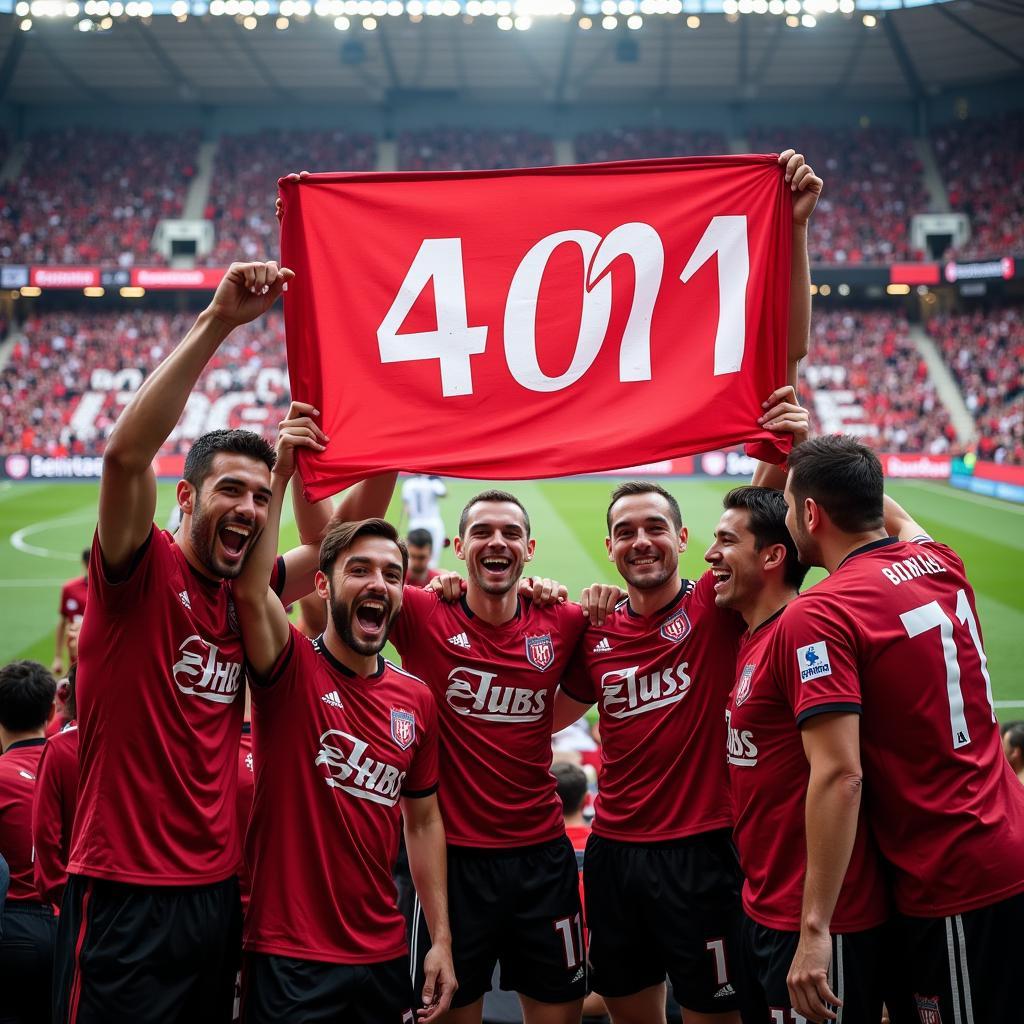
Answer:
(364, 592)
(735, 561)
(227, 513)
(494, 546)
(645, 543)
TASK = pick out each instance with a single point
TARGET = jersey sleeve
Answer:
(417, 606)
(50, 864)
(422, 777)
(814, 658)
(576, 682)
(142, 573)
(65, 613)
(288, 667)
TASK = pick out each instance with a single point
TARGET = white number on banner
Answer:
(726, 236)
(454, 341)
(931, 616)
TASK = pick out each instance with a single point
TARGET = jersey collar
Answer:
(321, 648)
(771, 618)
(684, 586)
(38, 742)
(865, 548)
(472, 615)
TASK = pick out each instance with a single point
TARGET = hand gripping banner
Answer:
(535, 323)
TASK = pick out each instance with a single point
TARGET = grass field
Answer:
(44, 527)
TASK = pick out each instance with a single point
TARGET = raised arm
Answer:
(785, 415)
(128, 484)
(899, 523)
(806, 187)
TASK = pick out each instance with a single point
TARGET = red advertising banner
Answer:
(1000, 472)
(168, 277)
(539, 322)
(914, 273)
(65, 277)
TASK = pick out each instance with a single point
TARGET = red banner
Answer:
(535, 323)
(65, 277)
(170, 277)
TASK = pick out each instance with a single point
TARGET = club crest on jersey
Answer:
(813, 661)
(540, 651)
(403, 728)
(928, 1009)
(743, 686)
(676, 628)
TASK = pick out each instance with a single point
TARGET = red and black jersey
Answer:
(246, 787)
(661, 683)
(334, 753)
(72, 598)
(768, 772)
(494, 687)
(431, 574)
(19, 767)
(893, 633)
(160, 713)
(53, 813)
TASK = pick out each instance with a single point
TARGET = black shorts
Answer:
(26, 963)
(856, 973)
(139, 954)
(961, 968)
(665, 908)
(279, 989)
(519, 908)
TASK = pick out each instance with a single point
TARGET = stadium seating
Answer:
(867, 379)
(985, 351)
(241, 201)
(472, 149)
(638, 143)
(90, 197)
(982, 162)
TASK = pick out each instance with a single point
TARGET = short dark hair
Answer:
(343, 536)
(493, 495)
(85, 555)
(843, 476)
(208, 446)
(571, 786)
(766, 509)
(1015, 732)
(420, 538)
(630, 487)
(26, 695)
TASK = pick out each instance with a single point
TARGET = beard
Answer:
(203, 538)
(341, 616)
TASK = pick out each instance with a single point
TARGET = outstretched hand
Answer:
(785, 415)
(279, 205)
(803, 182)
(247, 291)
(297, 430)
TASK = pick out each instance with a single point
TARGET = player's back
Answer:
(944, 806)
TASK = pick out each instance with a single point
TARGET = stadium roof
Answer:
(241, 58)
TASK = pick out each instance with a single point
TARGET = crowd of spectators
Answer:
(641, 143)
(72, 373)
(985, 351)
(865, 377)
(473, 149)
(94, 197)
(874, 185)
(982, 164)
(244, 185)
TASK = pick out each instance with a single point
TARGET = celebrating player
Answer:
(150, 923)
(493, 661)
(891, 643)
(779, 772)
(342, 737)
(72, 607)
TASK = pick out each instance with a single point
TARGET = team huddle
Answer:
(803, 809)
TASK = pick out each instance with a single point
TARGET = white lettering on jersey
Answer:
(355, 773)
(912, 568)
(625, 694)
(200, 672)
(813, 662)
(474, 693)
(742, 751)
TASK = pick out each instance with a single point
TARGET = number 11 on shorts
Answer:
(572, 935)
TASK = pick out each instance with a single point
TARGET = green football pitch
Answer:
(44, 527)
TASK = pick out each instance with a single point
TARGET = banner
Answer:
(538, 322)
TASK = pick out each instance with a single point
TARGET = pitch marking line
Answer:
(20, 543)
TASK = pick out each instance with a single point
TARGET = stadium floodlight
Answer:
(26, 25)
(825, 289)
(71, 10)
(217, 7)
(231, 8)
(730, 6)
(281, 24)
(627, 6)
(585, 23)
(792, 6)
(369, 24)
(792, 21)
(693, 22)
(395, 9)
(634, 22)
(777, 7)
(870, 21)
(22, 9)
(745, 6)
(505, 23)
(261, 8)
(145, 9)
(93, 292)
(30, 291)
(250, 22)
(116, 9)
(808, 21)
(379, 8)
(451, 8)
(178, 8)
(341, 23)
(106, 23)
(473, 8)
(609, 22)
(844, 290)
(413, 7)
(760, 6)
(85, 25)
(303, 8)
(523, 22)
(846, 6)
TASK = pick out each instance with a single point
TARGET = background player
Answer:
(780, 773)
(493, 660)
(72, 608)
(1013, 746)
(26, 941)
(420, 496)
(892, 636)
(420, 545)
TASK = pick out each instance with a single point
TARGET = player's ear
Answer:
(320, 586)
(812, 514)
(185, 496)
(531, 546)
(774, 556)
(608, 548)
(683, 536)
(459, 550)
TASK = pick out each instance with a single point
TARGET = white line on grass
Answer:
(32, 583)
(1008, 704)
(19, 543)
(978, 499)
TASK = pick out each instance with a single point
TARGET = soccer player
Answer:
(891, 643)
(155, 845)
(781, 769)
(346, 746)
(26, 946)
(420, 496)
(1013, 746)
(72, 608)
(420, 544)
(53, 812)
(493, 661)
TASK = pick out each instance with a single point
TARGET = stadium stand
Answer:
(94, 197)
(985, 350)
(638, 143)
(472, 149)
(982, 162)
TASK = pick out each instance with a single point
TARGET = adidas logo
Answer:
(460, 640)
(602, 645)
(578, 976)
(333, 698)
(184, 600)
(725, 990)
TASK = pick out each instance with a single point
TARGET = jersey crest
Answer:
(540, 651)
(676, 628)
(403, 728)
(928, 1009)
(743, 686)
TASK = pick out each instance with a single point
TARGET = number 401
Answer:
(455, 341)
